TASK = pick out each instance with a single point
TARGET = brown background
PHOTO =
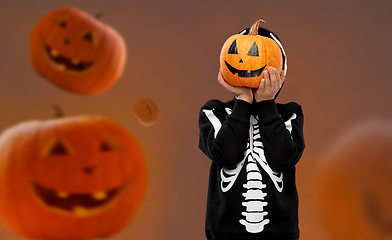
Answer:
(339, 60)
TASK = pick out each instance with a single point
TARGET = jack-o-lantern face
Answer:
(146, 111)
(353, 185)
(244, 57)
(253, 52)
(77, 52)
(84, 177)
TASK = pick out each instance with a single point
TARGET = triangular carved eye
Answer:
(57, 147)
(61, 21)
(105, 147)
(89, 36)
(111, 144)
(233, 48)
(254, 50)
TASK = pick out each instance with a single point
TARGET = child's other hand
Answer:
(269, 85)
(243, 93)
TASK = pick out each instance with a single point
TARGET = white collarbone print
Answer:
(254, 217)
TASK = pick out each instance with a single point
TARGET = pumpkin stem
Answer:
(254, 30)
(98, 15)
(58, 113)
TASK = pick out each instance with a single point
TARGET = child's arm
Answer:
(282, 135)
(223, 136)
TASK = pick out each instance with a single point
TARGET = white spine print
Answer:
(255, 215)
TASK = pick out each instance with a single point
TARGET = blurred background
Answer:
(339, 57)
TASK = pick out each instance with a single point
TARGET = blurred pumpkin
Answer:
(70, 178)
(146, 111)
(77, 52)
(353, 185)
(243, 58)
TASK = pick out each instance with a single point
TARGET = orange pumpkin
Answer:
(146, 111)
(70, 178)
(243, 58)
(77, 52)
(353, 185)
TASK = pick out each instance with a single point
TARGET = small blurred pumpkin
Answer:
(77, 52)
(146, 111)
(353, 190)
(70, 178)
(243, 58)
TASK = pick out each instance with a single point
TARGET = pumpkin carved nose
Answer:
(89, 169)
(241, 61)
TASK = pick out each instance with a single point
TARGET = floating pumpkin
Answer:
(146, 111)
(77, 52)
(70, 178)
(353, 188)
(244, 57)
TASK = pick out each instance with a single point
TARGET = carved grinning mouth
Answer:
(63, 63)
(79, 205)
(245, 73)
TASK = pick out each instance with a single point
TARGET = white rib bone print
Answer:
(254, 151)
(255, 215)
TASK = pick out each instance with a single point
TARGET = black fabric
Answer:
(253, 157)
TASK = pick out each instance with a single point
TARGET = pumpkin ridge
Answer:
(114, 51)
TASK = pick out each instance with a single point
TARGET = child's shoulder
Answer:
(286, 110)
(217, 104)
(289, 105)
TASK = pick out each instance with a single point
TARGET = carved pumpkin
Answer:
(243, 58)
(353, 186)
(77, 52)
(70, 178)
(146, 111)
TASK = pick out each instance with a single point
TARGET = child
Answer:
(254, 144)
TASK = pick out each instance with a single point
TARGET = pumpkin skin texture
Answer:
(243, 58)
(146, 111)
(70, 178)
(77, 52)
(353, 184)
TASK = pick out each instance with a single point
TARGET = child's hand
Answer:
(269, 85)
(243, 93)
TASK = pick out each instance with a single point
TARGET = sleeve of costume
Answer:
(223, 136)
(283, 140)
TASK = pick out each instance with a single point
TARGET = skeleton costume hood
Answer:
(269, 34)
(254, 148)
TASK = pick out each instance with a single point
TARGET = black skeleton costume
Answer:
(254, 148)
